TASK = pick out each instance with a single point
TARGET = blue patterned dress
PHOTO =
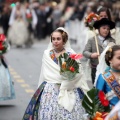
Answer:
(47, 107)
(7, 91)
(104, 86)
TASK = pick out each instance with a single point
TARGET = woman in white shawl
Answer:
(57, 98)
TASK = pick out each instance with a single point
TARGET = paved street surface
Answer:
(24, 65)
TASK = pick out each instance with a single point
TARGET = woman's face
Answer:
(57, 41)
(104, 30)
(103, 15)
(115, 62)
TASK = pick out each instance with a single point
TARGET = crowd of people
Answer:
(56, 96)
(38, 19)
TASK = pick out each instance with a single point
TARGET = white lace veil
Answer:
(67, 45)
(101, 67)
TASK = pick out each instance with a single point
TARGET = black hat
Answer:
(104, 21)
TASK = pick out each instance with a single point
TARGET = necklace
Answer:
(58, 51)
(114, 70)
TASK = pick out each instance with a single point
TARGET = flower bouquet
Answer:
(90, 19)
(29, 16)
(69, 67)
(3, 44)
(96, 104)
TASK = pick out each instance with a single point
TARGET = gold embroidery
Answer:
(115, 88)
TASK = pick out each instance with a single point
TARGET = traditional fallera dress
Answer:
(44, 104)
(7, 91)
(18, 32)
(103, 85)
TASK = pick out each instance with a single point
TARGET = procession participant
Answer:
(7, 91)
(112, 75)
(57, 97)
(18, 32)
(103, 39)
(31, 19)
(105, 12)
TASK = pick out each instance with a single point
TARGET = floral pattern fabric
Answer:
(50, 109)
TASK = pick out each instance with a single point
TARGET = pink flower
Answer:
(94, 19)
(76, 56)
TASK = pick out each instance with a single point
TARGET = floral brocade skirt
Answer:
(47, 107)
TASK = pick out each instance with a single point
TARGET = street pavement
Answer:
(24, 65)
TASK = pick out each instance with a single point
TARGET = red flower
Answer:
(89, 20)
(103, 99)
(101, 96)
(2, 37)
(105, 102)
(76, 56)
(72, 69)
(1, 46)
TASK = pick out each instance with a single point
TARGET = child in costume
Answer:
(103, 39)
(104, 12)
(109, 80)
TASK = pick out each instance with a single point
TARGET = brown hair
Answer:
(104, 9)
(110, 53)
(64, 35)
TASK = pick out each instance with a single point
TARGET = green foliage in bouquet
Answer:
(69, 67)
(4, 49)
(95, 101)
(29, 17)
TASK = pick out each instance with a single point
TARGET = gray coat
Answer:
(91, 48)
